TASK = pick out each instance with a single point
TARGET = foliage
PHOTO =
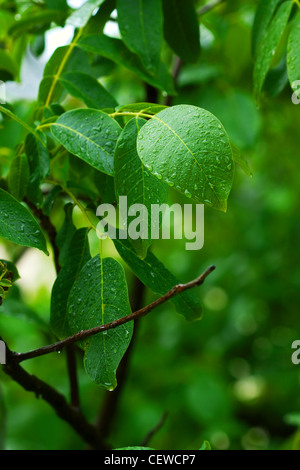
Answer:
(164, 112)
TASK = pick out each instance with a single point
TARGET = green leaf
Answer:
(65, 234)
(240, 160)
(50, 200)
(81, 16)
(100, 296)
(158, 278)
(269, 45)
(188, 148)
(18, 225)
(181, 29)
(90, 135)
(133, 180)
(11, 267)
(18, 177)
(141, 27)
(78, 255)
(7, 64)
(39, 163)
(29, 22)
(115, 50)
(205, 446)
(88, 90)
(263, 16)
(293, 55)
(14, 308)
(148, 108)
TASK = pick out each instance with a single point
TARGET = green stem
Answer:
(21, 122)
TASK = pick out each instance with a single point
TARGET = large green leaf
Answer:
(159, 279)
(81, 16)
(100, 296)
(141, 27)
(89, 134)
(88, 90)
(18, 176)
(78, 255)
(115, 50)
(188, 148)
(39, 163)
(134, 181)
(269, 45)
(263, 16)
(181, 28)
(293, 55)
(18, 225)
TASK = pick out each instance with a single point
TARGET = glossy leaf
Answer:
(181, 29)
(133, 180)
(87, 89)
(81, 16)
(148, 108)
(188, 148)
(115, 50)
(100, 296)
(90, 135)
(18, 177)
(263, 17)
(141, 27)
(18, 225)
(159, 279)
(293, 55)
(269, 45)
(78, 255)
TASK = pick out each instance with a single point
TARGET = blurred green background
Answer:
(229, 377)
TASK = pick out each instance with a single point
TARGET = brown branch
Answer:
(156, 428)
(57, 401)
(81, 335)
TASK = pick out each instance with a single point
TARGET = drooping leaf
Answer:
(81, 16)
(263, 17)
(90, 135)
(141, 27)
(7, 64)
(78, 255)
(65, 234)
(181, 29)
(18, 225)
(269, 45)
(88, 90)
(50, 199)
(115, 50)
(159, 279)
(28, 22)
(39, 163)
(188, 148)
(240, 160)
(134, 181)
(100, 296)
(18, 177)
(293, 55)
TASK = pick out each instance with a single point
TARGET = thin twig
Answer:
(156, 428)
(84, 334)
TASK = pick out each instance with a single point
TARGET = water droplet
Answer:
(187, 193)
(195, 187)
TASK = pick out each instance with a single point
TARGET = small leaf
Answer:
(65, 235)
(205, 446)
(11, 267)
(90, 135)
(39, 163)
(158, 278)
(50, 200)
(87, 89)
(18, 225)
(81, 16)
(269, 45)
(293, 55)
(115, 50)
(240, 160)
(18, 177)
(100, 296)
(134, 181)
(78, 256)
(188, 148)
(141, 27)
(181, 29)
